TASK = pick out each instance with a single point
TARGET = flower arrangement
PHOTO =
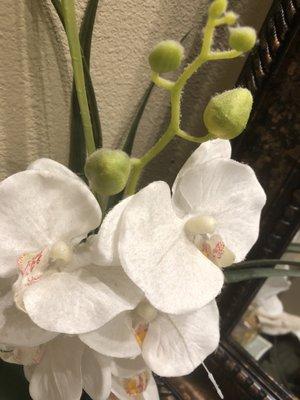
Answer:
(101, 284)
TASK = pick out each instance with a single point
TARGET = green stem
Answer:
(194, 139)
(68, 8)
(161, 82)
(263, 263)
(257, 273)
(224, 55)
(202, 57)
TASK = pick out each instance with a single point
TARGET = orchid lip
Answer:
(32, 266)
(201, 230)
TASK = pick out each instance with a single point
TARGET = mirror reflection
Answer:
(270, 328)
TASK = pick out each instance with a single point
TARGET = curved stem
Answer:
(68, 8)
(194, 139)
(161, 82)
(223, 55)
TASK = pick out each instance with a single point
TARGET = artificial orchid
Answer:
(176, 324)
(45, 212)
(98, 305)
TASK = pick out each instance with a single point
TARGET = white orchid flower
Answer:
(273, 320)
(172, 248)
(44, 213)
(171, 345)
(63, 367)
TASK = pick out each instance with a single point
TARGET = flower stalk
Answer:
(175, 89)
(68, 9)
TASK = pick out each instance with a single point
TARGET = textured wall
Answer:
(35, 74)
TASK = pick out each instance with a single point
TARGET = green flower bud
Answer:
(166, 56)
(227, 113)
(217, 8)
(231, 17)
(242, 38)
(107, 171)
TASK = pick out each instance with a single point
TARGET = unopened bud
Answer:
(108, 171)
(231, 17)
(242, 38)
(217, 8)
(227, 113)
(166, 56)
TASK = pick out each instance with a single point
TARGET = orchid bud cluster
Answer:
(225, 116)
(96, 300)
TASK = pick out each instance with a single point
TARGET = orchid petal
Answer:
(126, 368)
(229, 192)
(16, 328)
(278, 324)
(267, 298)
(104, 245)
(58, 376)
(46, 164)
(80, 302)
(136, 371)
(28, 371)
(207, 151)
(151, 392)
(21, 355)
(39, 208)
(177, 344)
(114, 339)
(210, 150)
(158, 257)
(96, 375)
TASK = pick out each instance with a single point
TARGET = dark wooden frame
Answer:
(270, 145)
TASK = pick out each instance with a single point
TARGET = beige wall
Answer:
(35, 74)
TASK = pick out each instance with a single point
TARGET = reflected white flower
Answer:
(44, 213)
(270, 311)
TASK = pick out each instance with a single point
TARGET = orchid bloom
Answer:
(173, 249)
(273, 320)
(63, 367)
(47, 283)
